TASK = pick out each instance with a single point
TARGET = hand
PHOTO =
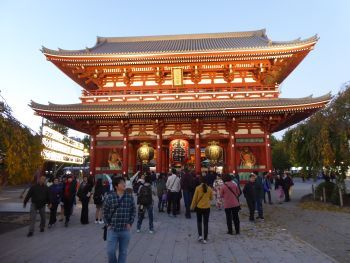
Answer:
(128, 227)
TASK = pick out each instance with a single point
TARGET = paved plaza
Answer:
(173, 241)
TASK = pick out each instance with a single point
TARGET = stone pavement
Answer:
(173, 241)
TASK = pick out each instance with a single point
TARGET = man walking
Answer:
(187, 189)
(119, 214)
(173, 186)
(259, 195)
(39, 195)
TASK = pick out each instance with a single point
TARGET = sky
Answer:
(26, 26)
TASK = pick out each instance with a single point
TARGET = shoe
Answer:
(30, 234)
(49, 226)
(138, 231)
(42, 229)
(229, 233)
(204, 241)
(151, 232)
(200, 238)
(101, 222)
(61, 220)
(96, 221)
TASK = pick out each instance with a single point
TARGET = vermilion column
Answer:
(159, 153)
(268, 153)
(125, 154)
(232, 153)
(92, 155)
(197, 146)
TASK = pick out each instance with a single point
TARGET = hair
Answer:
(148, 179)
(117, 180)
(251, 175)
(204, 184)
(226, 177)
(173, 170)
(99, 182)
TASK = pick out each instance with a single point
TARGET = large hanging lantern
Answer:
(145, 153)
(213, 152)
(179, 151)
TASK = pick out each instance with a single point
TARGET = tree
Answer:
(280, 155)
(57, 127)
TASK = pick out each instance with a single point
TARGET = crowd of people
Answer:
(116, 208)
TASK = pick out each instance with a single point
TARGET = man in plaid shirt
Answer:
(119, 213)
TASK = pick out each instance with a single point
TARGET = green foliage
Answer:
(280, 155)
(22, 152)
(329, 187)
(57, 127)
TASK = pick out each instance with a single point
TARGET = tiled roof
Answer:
(188, 106)
(180, 44)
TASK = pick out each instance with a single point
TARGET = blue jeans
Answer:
(141, 215)
(259, 207)
(113, 238)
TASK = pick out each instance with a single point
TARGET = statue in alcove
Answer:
(248, 159)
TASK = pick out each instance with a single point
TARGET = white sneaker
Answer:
(200, 238)
(101, 222)
(138, 231)
(151, 232)
(96, 221)
(204, 241)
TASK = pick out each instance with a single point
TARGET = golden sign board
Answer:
(177, 76)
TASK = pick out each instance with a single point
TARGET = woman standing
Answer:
(84, 194)
(230, 194)
(201, 202)
(98, 200)
(69, 190)
(279, 185)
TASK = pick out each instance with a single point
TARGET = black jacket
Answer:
(249, 191)
(39, 194)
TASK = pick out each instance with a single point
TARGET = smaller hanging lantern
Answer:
(145, 153)
(213, 152)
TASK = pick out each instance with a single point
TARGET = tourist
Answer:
(259, 195)
(217, 193)
(249, 194)
(173, 186)
(230, 194)
(161, 188)
(288, 183)
(84, 194)
(279, 186)
(187, 186)
(98, 197)
(145, 202)
(267, 188)
(55, 191)
(201, 204)
(119, 214)
(62, 182)
(39, 195)
(69, 191)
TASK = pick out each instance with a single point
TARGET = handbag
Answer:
(239, 207)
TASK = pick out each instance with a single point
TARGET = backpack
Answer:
(145, 195)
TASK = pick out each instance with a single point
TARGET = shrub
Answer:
(329, 186)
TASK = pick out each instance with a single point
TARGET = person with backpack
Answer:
(201, 204)
(145, 202)
(230, 193)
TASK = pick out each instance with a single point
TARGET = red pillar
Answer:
(125, 154)
(268, 152)
(132, 155)
(232, 153)
(92, 155)
(197, 155)
(159, 153)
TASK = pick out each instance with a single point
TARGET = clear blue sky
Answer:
(27, 25)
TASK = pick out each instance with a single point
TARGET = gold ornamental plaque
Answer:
(177, 76)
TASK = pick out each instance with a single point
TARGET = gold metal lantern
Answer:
(145, 152)
(213, 152)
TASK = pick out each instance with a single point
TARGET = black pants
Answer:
(286, 194)
(161, 203)
(172, 202)
(53, 214)
(232, 215)
(203, 213)
(68, 206)
(84, 218)
(251, 206)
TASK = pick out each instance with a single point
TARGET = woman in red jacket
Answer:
(230, 193)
